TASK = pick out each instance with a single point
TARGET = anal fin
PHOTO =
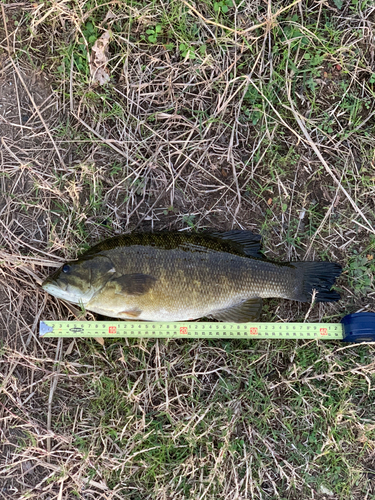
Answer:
(134, 313)
(246, 311)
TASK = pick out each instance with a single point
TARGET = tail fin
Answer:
(319, 276)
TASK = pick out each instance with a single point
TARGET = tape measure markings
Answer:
(132, 329)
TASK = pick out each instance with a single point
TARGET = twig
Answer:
(54, 381)
(311, 306)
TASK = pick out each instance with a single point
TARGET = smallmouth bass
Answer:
(179, 276)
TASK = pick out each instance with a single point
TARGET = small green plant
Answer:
(189, 220)
(170, 210)
(90, 32)
(327, 123)
(79, 50)
(153, 33)
(116, 168)
(223, 6)
(138, 186)
(187, 51)
(360, 271)
(254, 99)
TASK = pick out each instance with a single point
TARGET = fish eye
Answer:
(66, 268)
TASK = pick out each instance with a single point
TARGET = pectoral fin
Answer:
(133, 284)
(240, 313)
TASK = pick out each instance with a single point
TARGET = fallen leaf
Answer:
(70, 348)
(100, 340)
(326, 491)
(99, 59)
(109, 15)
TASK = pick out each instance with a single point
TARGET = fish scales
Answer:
(191, 283)
(179, 276)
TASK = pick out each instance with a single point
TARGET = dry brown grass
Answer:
(255, 133)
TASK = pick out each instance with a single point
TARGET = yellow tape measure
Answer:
(138, 329)
(358, 327)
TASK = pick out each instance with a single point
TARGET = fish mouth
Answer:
(50, 282)
(59, 290)
(47, 281)
(64, 291)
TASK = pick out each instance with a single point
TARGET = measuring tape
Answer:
(358, 327)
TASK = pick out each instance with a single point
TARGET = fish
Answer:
(178, 276)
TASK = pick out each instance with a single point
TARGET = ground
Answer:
(219, 115)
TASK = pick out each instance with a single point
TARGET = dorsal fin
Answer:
(245, 241)
(236, 241)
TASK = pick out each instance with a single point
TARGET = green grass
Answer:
(297, 418)
(199, 127)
